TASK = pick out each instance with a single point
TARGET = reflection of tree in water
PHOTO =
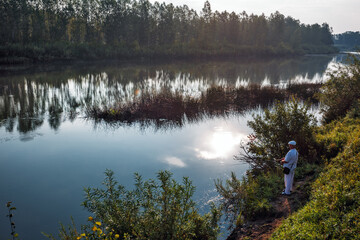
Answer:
(29, 98)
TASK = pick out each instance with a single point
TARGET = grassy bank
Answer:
(334, 209)
(329, 206)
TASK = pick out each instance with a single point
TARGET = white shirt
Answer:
(291, 158)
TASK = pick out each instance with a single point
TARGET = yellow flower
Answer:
(81, 235)
(94, 228)
(90, 218)
(117, 236)
(98, 223)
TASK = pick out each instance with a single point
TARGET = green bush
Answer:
(305, 169)
(161, 209)
(341, 93)
(334, 136)
(248, 198)
(272, 132)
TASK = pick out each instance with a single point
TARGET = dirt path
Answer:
(283, 205)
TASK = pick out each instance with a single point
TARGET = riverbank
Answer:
(324, 196)
(332, 201)
(333, 209)
(283, 207)
(62, 51)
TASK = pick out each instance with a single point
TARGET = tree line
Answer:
(347, 40)
(118, 28)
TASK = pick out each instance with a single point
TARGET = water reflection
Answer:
(49, 152)
(220, 144)
(29, 99)
(175, 161)
(52, 169)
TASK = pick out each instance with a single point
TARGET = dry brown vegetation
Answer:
(169, 106)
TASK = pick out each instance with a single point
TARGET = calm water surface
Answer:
(50, 151)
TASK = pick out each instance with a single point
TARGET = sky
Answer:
(341, 15)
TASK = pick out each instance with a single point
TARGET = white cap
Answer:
(292, 143)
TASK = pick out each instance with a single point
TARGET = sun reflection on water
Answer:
(221, 144)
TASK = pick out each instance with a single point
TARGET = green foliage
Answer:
(65, 232)
(334, 136)
(333, 212)
(334, 209)
(341, 93)
(248, 198)
(136, 28)
(161, 209)
(272, 132)
(305, 169)
(348, 40)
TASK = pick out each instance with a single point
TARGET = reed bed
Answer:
(174, 107)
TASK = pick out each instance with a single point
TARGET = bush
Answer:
(341, 93)
(334, 136)
(161, 209)
(272, 132)
(249, 198)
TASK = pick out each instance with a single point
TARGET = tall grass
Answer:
(217, 100)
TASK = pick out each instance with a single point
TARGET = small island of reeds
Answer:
(167, 107)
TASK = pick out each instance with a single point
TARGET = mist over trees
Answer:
(130, 28)
(347, 40)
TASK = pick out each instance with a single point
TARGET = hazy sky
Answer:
(341, 15)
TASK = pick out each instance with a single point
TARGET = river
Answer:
(50, 150)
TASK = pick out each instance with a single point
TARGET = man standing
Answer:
(290, 161)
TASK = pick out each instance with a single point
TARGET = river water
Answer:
(50, 151)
